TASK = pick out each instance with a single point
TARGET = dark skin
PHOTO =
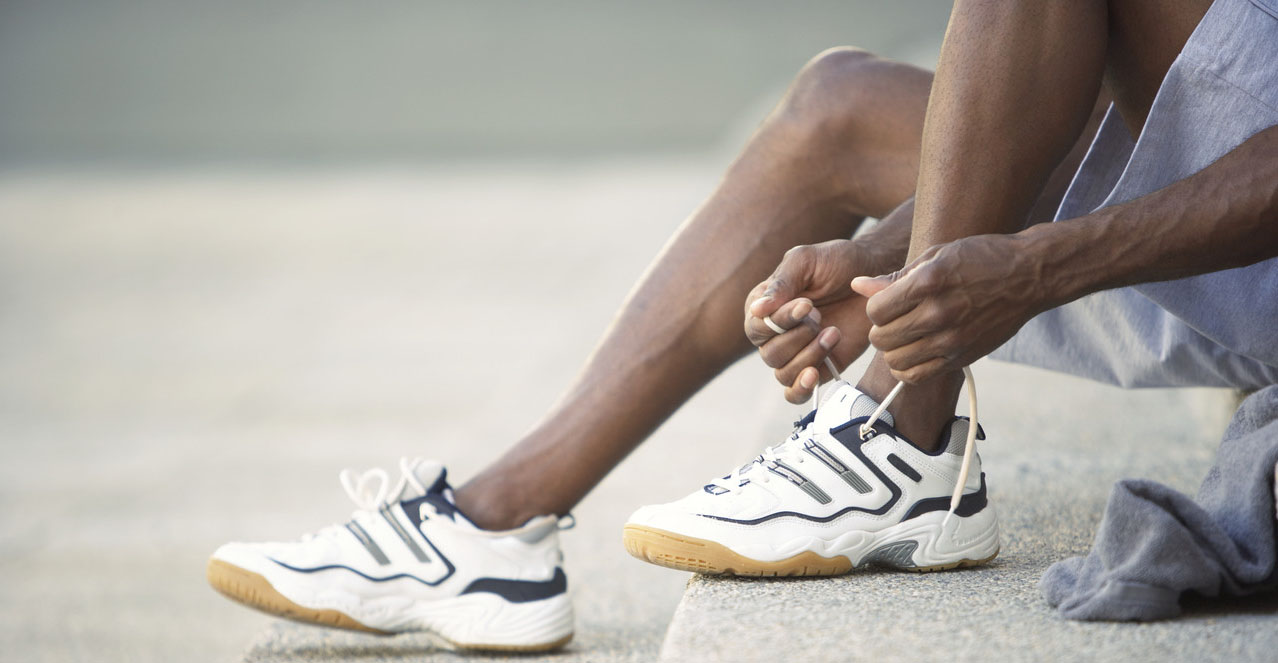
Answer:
(959, 301)
(1008, 113)
(984, 163)
(818, 274)
(946, 309)
(842, 145)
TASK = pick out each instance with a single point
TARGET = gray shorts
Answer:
(1218, 329)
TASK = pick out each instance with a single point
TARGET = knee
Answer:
(832, 94)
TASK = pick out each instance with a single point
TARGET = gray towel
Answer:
(1154, 543)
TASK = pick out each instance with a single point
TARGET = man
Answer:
(1180, 182)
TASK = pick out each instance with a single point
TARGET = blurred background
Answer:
(245, 244)
(336, 83)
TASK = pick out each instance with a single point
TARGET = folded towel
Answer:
(1154, 543)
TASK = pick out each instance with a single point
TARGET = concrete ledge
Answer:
(1056, 446)
(289, 642)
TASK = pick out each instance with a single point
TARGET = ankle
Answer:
(489, 509)
(921, 411)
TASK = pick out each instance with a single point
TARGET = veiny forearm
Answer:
(1223, 217)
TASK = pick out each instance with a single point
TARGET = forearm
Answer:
(1223, 217)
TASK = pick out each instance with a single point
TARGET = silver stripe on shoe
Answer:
(794, 476)
(403, 535)
(846, 473)
(367, 541)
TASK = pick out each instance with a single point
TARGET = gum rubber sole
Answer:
(687, 553)
(254, 591)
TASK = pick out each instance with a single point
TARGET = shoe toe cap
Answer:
(669, 518)
(248, 556)
(646, 515)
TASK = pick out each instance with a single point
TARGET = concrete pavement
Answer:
(1056, 445)
(190, 357)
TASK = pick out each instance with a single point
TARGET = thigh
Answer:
(1145, 36)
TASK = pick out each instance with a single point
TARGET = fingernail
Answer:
(828, 338)
(800, 310)
(759, 302)
(815, 316)
(807, 380)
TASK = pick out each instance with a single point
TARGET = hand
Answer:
(953, 305)
(810, 289)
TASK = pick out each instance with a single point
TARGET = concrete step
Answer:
(1056, 445)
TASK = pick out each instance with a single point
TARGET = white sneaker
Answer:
(409, 561)
(826, 501)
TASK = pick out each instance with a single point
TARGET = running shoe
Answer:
(844, 491)
(408, 560)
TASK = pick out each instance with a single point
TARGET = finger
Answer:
(787, 317)
(791, 277)
(779, 350)
(914, 354)
(801, 391)
(869, 286)
(765, 305)
(778, 291)
(755, 294)
(810, 356)
(923, 372)
(899, 297)
(916, 324)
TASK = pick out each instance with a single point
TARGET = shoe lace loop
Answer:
(359, 486)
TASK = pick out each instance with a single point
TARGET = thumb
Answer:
(868, 286)
(779, 290)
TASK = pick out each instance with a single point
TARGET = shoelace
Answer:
(785, 449)
(369, 490)
(358, 484)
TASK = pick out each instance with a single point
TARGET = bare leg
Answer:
(1001, 118)
(842, 145)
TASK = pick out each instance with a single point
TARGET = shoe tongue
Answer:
(430, 474)
(865, 406)
(845, 403)
(956, 443)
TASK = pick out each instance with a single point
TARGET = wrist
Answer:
(1070, 259)
(884, 246)
(875, 257)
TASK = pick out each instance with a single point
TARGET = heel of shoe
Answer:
(966, 541)
(925, 544)
(489, 622)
